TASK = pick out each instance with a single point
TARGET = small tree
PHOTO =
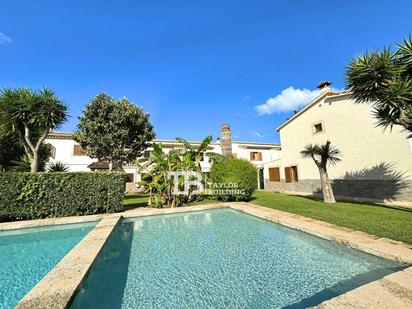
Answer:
(114, 130)
(323, 155)
(385, 79)
(30, 115)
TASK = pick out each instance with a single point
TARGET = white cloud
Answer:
(4, 39)
(259, 135)
(288, 100)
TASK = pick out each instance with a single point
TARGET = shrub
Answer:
(234, 180)
(33, 196)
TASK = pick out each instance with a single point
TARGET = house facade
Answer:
(66, 150)
(376, 164)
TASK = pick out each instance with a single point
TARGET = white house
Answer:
(376, 163)
(67, 151)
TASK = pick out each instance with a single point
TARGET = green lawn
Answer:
(384, 221)
(135, 201)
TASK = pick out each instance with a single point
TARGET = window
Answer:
(52, 151)
(274, 174)
(146, 154)
(317, 127)
(291, 174)
(255, 156)
(130, 177)
(78, 151)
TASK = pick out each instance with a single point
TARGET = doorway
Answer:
(261, 179)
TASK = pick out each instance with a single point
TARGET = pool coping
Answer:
(58, 288)
(14, 225)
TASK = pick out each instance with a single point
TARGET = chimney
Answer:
(324, 86)
(226, 141)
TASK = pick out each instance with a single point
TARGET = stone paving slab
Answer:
(5, 226)
(59, 286)
(392, 291)
(141, 212)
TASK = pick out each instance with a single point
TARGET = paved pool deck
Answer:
(59, 287)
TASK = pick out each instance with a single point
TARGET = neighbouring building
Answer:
(376, 163)
(67, 151)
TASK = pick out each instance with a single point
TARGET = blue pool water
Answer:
(27, 255)
(221, 259)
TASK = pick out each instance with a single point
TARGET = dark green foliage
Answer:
(41, 195)
(234, 179)
(384, 79)
(114, 130)
(29, 116)
(13, 156)
(57, 167)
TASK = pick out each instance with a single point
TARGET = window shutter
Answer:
(259, 156)
(294, 171)
(251, 156)
(77, 150)
(288, 176)
(274, 174)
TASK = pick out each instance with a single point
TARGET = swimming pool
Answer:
(27, 255)
(221, 259)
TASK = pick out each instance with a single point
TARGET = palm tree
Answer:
(57, 167)
(323, 155)
(31, 115)
(384, 79)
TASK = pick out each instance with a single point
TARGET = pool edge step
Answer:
(58, 287)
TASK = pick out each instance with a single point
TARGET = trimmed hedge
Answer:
(26, 196)
(233, 180)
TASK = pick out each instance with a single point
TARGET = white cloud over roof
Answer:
(288, 100)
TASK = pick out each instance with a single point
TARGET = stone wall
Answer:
(386, 191)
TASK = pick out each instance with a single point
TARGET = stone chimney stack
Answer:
(324, 86)
(226, 141)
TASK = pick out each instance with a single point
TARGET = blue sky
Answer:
(193, 65)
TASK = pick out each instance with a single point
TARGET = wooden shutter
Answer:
(234, 155)
(274, 174)
(288, 176)
(294, 171)
(259, 156)
(251, 156)
(78, 150)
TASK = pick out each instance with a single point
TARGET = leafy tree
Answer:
(384, 79)
(114, 130)
(30, 115)
(323, 155)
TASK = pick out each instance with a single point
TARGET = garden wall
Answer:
(389, 191)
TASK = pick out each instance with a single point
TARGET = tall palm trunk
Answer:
(328, 196)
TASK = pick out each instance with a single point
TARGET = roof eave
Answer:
(309, 105)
